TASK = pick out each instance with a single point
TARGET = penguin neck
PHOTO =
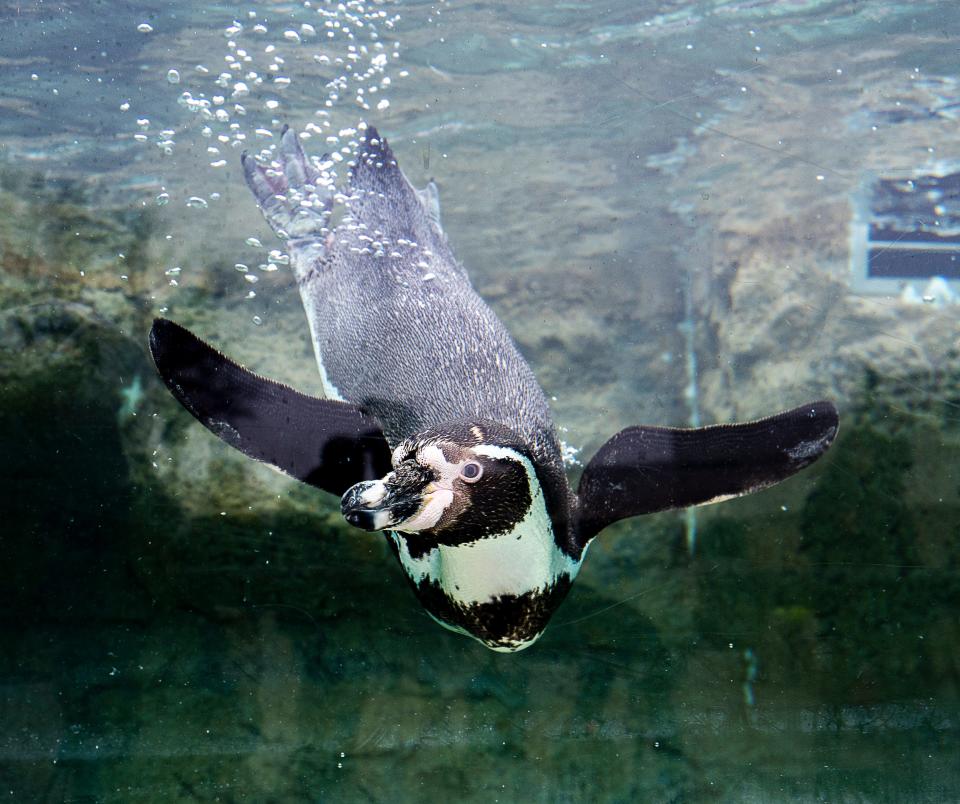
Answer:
(526, 559)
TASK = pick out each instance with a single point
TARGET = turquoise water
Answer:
(662, 202)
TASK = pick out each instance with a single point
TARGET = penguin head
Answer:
(450, 485)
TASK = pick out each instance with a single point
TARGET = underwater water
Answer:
(677, 209)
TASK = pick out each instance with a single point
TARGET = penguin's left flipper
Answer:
(642, 470)
(328, 444)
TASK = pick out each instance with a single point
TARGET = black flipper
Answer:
(328, 444)
(646, 469)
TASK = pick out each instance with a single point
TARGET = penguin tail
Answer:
(294, 194)
(382, 198)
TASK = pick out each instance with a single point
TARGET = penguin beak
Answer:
(386, 503)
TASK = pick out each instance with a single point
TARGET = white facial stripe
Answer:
(439, 494)
(430, 513)
(505, 453)
(513, 563)
(446, 472)
(433, 456)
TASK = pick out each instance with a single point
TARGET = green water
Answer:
(630, 185)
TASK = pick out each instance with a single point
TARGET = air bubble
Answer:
(162, 199)
(145, 27)
(257, 320)
(196, 202)
(173, 76)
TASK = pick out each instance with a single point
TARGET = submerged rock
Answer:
(778, 315)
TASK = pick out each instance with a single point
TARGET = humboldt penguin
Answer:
(434, 428)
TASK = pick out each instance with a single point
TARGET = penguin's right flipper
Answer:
(297, 199)
(328, 444)
(642, 470)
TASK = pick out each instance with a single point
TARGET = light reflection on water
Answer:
(609, 172)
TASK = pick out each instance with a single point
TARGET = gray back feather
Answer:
(397, 326)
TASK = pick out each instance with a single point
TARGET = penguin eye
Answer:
(471, 472)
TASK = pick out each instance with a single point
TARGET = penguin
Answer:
(433, 428)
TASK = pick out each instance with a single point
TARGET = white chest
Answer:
(512, 563)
